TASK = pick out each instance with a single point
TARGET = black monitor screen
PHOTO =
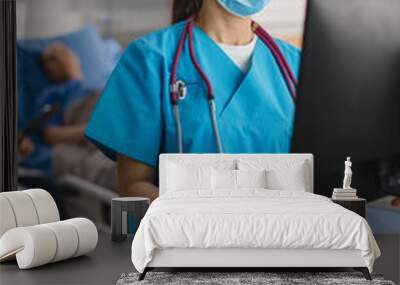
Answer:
(349, 90)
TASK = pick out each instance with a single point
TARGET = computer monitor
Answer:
(349, 90)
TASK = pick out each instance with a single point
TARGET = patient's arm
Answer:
(135, 178)
(64, 134)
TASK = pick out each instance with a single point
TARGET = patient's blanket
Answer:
(84, 159)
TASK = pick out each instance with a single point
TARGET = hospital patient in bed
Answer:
(59, 147)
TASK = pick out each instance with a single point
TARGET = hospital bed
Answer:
(210, 229)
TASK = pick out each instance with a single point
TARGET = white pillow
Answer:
(224, 179)
(293, 178)
(251, 178)
(188, 177)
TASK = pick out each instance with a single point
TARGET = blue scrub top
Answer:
(134, 116)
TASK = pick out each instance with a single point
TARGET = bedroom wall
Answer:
(127, 19)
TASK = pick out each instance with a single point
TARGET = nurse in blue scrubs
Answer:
(134, 120)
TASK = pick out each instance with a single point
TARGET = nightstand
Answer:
(357, 205)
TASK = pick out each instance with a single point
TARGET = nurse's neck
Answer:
(222, 26)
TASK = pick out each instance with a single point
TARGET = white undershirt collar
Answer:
(240, 54)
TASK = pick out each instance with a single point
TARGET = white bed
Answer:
(196, 223)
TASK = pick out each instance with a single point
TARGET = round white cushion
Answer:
(33, 246)
(87, 234)
(7, 218)
(67, 240)
(26, 208)
(45, 205)
(23, 208)
(37, 245)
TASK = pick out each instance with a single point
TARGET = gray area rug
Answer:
(232, 278)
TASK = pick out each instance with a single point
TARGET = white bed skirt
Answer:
(179, 257)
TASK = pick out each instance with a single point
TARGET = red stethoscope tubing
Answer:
(196, 63)
(178, 53)
(283, 65)
(287, 72)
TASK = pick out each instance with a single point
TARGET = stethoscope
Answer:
(178, 90)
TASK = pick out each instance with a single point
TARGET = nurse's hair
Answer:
(183, 9)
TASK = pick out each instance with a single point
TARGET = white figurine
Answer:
(348, 173)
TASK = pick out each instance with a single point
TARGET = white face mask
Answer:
(243, 8)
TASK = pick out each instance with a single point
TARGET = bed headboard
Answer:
(231, 161)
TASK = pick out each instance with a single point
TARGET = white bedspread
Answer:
(250, 219)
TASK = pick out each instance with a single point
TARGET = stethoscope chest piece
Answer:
(182, 89)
